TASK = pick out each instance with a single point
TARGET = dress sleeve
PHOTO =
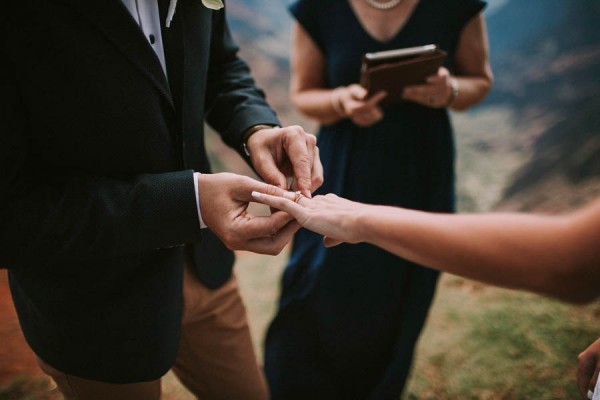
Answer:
(469, 9)
(306, 13)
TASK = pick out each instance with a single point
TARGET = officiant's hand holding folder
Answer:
(391, 71)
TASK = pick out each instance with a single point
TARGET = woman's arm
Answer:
(473, 75)
(308, 92)
(473, 71)
(553, 255)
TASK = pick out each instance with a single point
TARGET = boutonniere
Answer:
(212, 4)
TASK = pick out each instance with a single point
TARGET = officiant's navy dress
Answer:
(349, 317)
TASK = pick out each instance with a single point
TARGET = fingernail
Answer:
(256, 195)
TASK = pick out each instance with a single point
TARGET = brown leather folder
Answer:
(393, 70)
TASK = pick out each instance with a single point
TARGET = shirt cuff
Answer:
(202, 224)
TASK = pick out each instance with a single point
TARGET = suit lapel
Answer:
(112, 18)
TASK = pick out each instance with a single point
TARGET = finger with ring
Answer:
(297, 196)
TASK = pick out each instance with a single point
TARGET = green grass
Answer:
(488, 343)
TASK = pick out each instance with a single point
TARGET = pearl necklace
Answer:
(387, 5)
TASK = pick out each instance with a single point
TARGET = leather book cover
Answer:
(394, 74)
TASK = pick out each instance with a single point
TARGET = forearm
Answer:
(233, 101)
(319, 105)
(471, 65)
(51, 219)
(512, 250)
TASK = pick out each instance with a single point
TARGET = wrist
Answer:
(336, 101)
(454, 91)
(197, 177)
(251, 131)
(361, 223)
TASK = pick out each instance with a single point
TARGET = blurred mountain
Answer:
(262, 29)
(534, 143)
(546, 58)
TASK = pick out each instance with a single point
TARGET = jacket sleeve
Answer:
(51, 216)
(233, 102)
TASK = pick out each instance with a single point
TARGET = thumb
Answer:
(357, 92)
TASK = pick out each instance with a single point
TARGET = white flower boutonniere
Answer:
(212, 4)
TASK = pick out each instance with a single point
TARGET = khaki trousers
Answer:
(216, 360)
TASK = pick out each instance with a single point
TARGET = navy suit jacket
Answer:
(97, 151)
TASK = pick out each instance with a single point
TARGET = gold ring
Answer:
(432, 100)
(298, 195)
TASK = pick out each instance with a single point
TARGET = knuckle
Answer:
(304, 160)
(304, 182)
(318, 180)
(296, 130)
(271, 190)
(242, 180)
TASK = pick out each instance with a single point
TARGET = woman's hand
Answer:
(437, 92)
(589, 367)
(329, 215)
(362, 111)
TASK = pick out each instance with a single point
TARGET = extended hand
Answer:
(589, 367)
(224, 200)
(329, 215)
(279, 153)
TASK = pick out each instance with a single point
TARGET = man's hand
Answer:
(589, 367)
(278, 153)
(224, 202)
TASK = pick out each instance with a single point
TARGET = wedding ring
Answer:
(297, 196)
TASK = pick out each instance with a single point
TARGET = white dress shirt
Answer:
(146, 14)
